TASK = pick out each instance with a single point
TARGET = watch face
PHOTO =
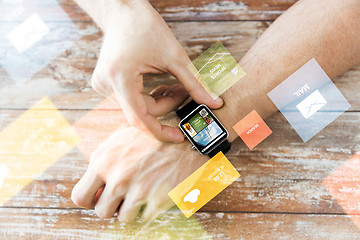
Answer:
(203, 129)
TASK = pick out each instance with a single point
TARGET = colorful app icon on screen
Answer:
(203, 129)
(189, 129)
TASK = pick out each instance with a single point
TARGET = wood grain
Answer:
(280, 194)
(212, 10)
(69, 224)
(66, 79)
(206, 10)
(279, 175)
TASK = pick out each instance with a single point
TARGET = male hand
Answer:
(131, 169)
(137, 41)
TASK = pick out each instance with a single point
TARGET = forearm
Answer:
(328, 31)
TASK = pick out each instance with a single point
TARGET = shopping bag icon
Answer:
(31, 31)
(311, 104)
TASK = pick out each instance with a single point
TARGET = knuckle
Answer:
(96, 82)
(138, 121)
(101, 80)
(180, 55)
(79, 199)
(117, 188)
(93, 156)
(102, 212)
(177, 50)
(112, 70)
(133, 120)
(193, 92)
(116, 68)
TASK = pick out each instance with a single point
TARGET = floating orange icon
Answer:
(252, 129)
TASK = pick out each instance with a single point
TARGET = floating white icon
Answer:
(31, 31)
(192, 196)
(311, 104)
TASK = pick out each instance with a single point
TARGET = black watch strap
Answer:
(186, 110)
(224, 147)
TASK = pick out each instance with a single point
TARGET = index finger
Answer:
(135, 109)
(180, 68)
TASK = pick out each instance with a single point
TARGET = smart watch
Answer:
(205, 132)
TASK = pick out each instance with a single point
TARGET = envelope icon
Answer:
(31, 31)
(311, 104)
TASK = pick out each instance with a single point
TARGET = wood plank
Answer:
(280, 194)
(36, 223)
(280, 175)
(66, 79)
(211, 10)
(207, 10)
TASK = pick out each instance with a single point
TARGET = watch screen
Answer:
(203, 129)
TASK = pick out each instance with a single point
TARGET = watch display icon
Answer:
(311, 104)
(189, 129)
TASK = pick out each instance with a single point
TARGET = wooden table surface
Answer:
(288, 189)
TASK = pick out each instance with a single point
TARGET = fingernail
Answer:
(179, 138)
(218, 100)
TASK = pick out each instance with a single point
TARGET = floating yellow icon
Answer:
(31, 144)
(204, 184)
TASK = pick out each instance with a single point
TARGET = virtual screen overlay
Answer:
(22, 142)
(216, 70)
(252, 129)
(203, 129)
(309, 100)
(195, 191)
(31, 39)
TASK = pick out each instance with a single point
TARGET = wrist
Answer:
(237, 104)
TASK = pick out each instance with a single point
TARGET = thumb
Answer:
(180, 68)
